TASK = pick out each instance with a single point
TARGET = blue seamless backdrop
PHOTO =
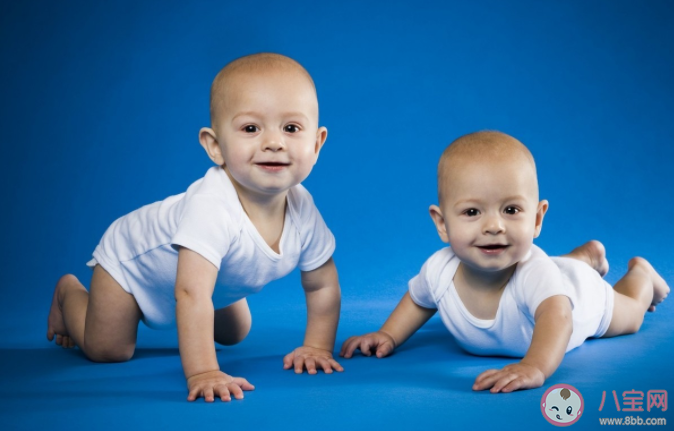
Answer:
(102, 102)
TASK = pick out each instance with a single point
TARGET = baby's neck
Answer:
(480, 291)
(268, 219)
(476, 279)
(266, 212)
(258, 205)
(257, 209)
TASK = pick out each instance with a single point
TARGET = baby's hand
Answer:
(310, 357)
(380, 343)
(511, 378)
(213, 383)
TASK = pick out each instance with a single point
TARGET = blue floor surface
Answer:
(426, 384)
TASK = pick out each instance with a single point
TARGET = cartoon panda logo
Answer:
(562, 405)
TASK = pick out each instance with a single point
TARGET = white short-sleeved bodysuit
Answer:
(139, 249)
(536, 278)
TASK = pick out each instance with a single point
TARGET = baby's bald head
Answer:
(255, 64)
(486, 147)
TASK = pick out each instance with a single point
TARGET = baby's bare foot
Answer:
(594, 254)
(55, 323)
(660, 287)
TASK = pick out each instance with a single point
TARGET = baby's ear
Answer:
(321, 136)
(208, 140)
(439, 221)
(540, 214)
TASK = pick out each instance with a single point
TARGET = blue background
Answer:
(100, 109)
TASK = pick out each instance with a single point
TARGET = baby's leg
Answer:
(641, 289)
(103, 322)
(594, 254)
(232, 323)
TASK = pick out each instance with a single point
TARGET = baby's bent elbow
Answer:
(187, 295)
(181, 294)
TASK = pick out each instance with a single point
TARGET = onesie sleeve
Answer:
(420, 288)
(537, 280)
(205, 227)
(317, 241)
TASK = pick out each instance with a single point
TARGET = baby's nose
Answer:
(493, 225)
(273, 142)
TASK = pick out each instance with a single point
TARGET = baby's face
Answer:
(267, 129)
(491, 212)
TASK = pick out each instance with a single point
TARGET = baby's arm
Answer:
(552, 331)
(323, 296)
(194, 314)
(405, 320)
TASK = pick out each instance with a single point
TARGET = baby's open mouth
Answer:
(493, 246)
(271, 164)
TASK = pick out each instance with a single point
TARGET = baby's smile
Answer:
(492, 249)
(272, 166)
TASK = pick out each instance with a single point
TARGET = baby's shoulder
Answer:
(441, 265)
(299, 198)
(535, 262)
(536, 278)
(212, 198)
(301, 205)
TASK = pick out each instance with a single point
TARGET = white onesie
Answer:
(139, 249)
(536, 278)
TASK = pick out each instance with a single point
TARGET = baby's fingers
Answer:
(221, 390)
(288, 360)
(309, 363)
(384, 349)
(485, 380)
(298, 364)
(243, 383)
(68, 342)
(524, 380)
(209, 395)
(515, 384)
(235, 391)
(195, 393)
(349, 346)
(328, 364)
(336, 365)
(366, 345)
(507, 383)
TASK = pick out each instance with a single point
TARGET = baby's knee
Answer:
(638, 262)
(68, 278)
(232, 324)
(233, 334)
(109, 353)
(634, 326)
(66, 281)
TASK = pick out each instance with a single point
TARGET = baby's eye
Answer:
(291, 128)
(471, 212)
(569, 410)
(554, 407)
(512, 210)
(250, 128)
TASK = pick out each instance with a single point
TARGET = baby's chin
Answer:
(481, 267)
(490, 266)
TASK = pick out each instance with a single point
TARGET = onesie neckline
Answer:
(479, 323)
(255, 235)
(258, 238)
